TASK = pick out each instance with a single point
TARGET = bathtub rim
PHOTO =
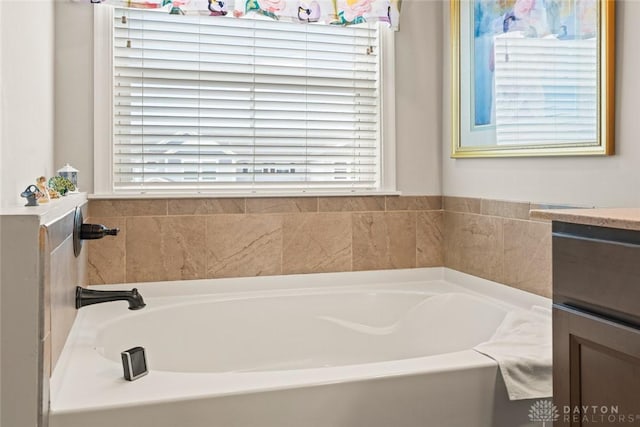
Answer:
(278, 380)
(239, 285)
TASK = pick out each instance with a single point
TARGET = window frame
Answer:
(103, 66)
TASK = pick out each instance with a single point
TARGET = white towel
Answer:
(522, 347)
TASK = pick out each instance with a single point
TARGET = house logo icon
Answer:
(544, 411)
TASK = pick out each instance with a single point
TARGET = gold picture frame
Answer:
(523, 100)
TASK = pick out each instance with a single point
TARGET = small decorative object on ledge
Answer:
(53, 194)
(43, 193)
(61, 185)
(70, 173)
(31, 194)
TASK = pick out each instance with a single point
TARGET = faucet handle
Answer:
(96, 231)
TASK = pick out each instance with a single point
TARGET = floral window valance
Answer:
(331, 12)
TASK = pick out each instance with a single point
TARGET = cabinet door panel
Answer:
(596, 363)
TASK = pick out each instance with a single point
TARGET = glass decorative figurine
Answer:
(70, 173)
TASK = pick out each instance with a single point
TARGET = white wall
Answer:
(418, 99)
(600, 181)
(423, 105)
(26, 143)
(26, 28)
(1, 139)
(2, 105)
(20, 296)
(74, 89)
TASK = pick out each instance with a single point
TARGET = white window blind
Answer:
(203, 104)
(546, 90)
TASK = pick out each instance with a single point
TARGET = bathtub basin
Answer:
(387, 348)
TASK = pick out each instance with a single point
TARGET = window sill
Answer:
(253, 194)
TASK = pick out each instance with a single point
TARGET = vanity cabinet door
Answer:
(596, 365)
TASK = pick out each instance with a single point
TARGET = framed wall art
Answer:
(532, 77)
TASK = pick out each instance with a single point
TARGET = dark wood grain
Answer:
(598, 275)
(596, 363)
(596, 325)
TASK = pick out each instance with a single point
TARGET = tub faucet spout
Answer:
(91, 296)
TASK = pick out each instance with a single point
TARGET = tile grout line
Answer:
(124, 263)
(206, 247)
(415, 230)
(352, 239)
(351, 244)
(281, 215)
(503, 254)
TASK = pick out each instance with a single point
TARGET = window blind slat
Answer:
(201, 116)
(210, 106)
(161, 97)
(203, 142)
(185, 27)
(148, 38)
(296, 82)
(172, 132)
(234, 55)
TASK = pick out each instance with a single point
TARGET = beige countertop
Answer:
(625, 218)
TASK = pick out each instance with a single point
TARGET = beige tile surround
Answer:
(179, 239)
(497, 241)
(61, 272)
(208, 238)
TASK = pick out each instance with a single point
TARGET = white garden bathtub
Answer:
(368, 349)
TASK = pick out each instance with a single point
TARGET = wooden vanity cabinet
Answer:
(596, 325)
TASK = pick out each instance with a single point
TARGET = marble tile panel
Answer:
(45, 294)
(46, 355)
(505, 209)
(316, 243)
(205, 206)
(64, 271)
(244, 245)
(165, 248)
(44, 377)
(461, 204)
(281, 204)
(107, 256)
(430, 239)
(527, 256)
(60, 230)
(351, 204)
(127, 207)
(384, 240)
(414, 203)
(474, 244)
